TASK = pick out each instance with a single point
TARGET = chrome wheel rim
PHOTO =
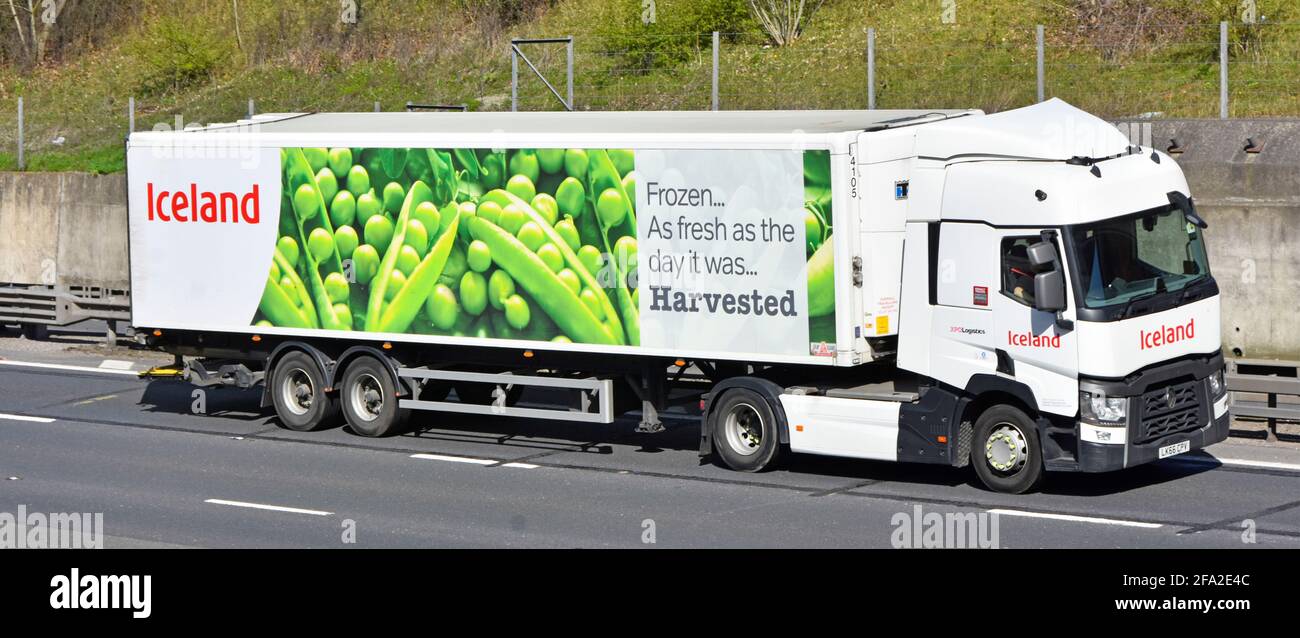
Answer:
(743, 429)
(367, 397)
(1007, 449)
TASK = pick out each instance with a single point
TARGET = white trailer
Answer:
(1023, 291)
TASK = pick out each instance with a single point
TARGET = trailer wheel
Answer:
(743, 429)
(298, 393)
(1006, 454)
(369, 398)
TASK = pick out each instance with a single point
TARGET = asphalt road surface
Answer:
(81, 438)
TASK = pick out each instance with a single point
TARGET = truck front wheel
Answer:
(298, 392)
(369, 398)
(744, 430)
(1006, 454)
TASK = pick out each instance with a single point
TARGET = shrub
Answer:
(173, 54)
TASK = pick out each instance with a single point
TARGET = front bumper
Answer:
(1094, 456)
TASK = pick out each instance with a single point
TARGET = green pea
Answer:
(521, 186)
(263, 323)
(317, 158)
(567, 231)
(531, 235)
(417, 237)
(473, 293)
(622, 159)
(550, 159)
(547, 206)
(479, 256)
(500, 287)
(367, 206)
(592, 301)
(275, 269)
(517, 312)
(345, 239)
(456, 265)
(289, 248)
(576, 162)
(570, 279)
(329, 185)
(320, 244)
(395, 282)
(394, 196)
(442, 308)
(512, 219)
(524, 162)
(407, 260)
(306, 202)
(358, 181)
(427, 214)
(629, 186)
(462, 213)
(336, 287)
(490, 211)
(561, 339)
(344, 313)
(592, 259)
(290, 288)
(610, 208)
(341, 162)
(552, 256)
(625, 251)
(571, 197)
(379, 232)
(365, 263)
(343, 209)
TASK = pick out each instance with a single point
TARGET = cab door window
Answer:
(1017, 275)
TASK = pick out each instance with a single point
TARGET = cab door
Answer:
(1034, 347)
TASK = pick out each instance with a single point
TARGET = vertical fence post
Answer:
(1041, 81)
(1223, 70)
(569, 51)
(715, 70)
(251, 111)
(871, 67)
(130, 115)
(514, 78)
(21, 161)
(376, 106)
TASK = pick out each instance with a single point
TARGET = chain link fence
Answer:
(1157, 70)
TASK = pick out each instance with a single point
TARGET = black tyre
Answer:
(369, 398)
(298, 393)
(743, 428)
(1006, 452)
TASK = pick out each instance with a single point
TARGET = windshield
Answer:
(1119, 260)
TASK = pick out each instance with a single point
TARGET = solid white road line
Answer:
(522, 466)
(260, 506)
(1272, 465)
(33, 419)
(59, 366)
(1077, 519)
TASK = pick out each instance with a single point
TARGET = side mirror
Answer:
(1049, 291)
(1042, 257)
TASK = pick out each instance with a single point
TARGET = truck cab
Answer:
(1055, 280)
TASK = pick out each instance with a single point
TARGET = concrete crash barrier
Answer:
(64, 229)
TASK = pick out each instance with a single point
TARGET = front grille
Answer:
(1170, 409)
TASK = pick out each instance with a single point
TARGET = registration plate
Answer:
(1175, 449)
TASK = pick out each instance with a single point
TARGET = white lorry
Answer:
(1023, 291)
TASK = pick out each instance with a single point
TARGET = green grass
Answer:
(297, 57)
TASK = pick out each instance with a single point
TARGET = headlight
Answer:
(1216, 383)
(1103, 409)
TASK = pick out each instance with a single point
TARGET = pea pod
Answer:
(298, 174)
(397, 315)
(502, 197)
(547, 290)
(280, 308)
(821, 281)
(602, 175)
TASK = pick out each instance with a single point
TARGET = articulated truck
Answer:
(1022, 292)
